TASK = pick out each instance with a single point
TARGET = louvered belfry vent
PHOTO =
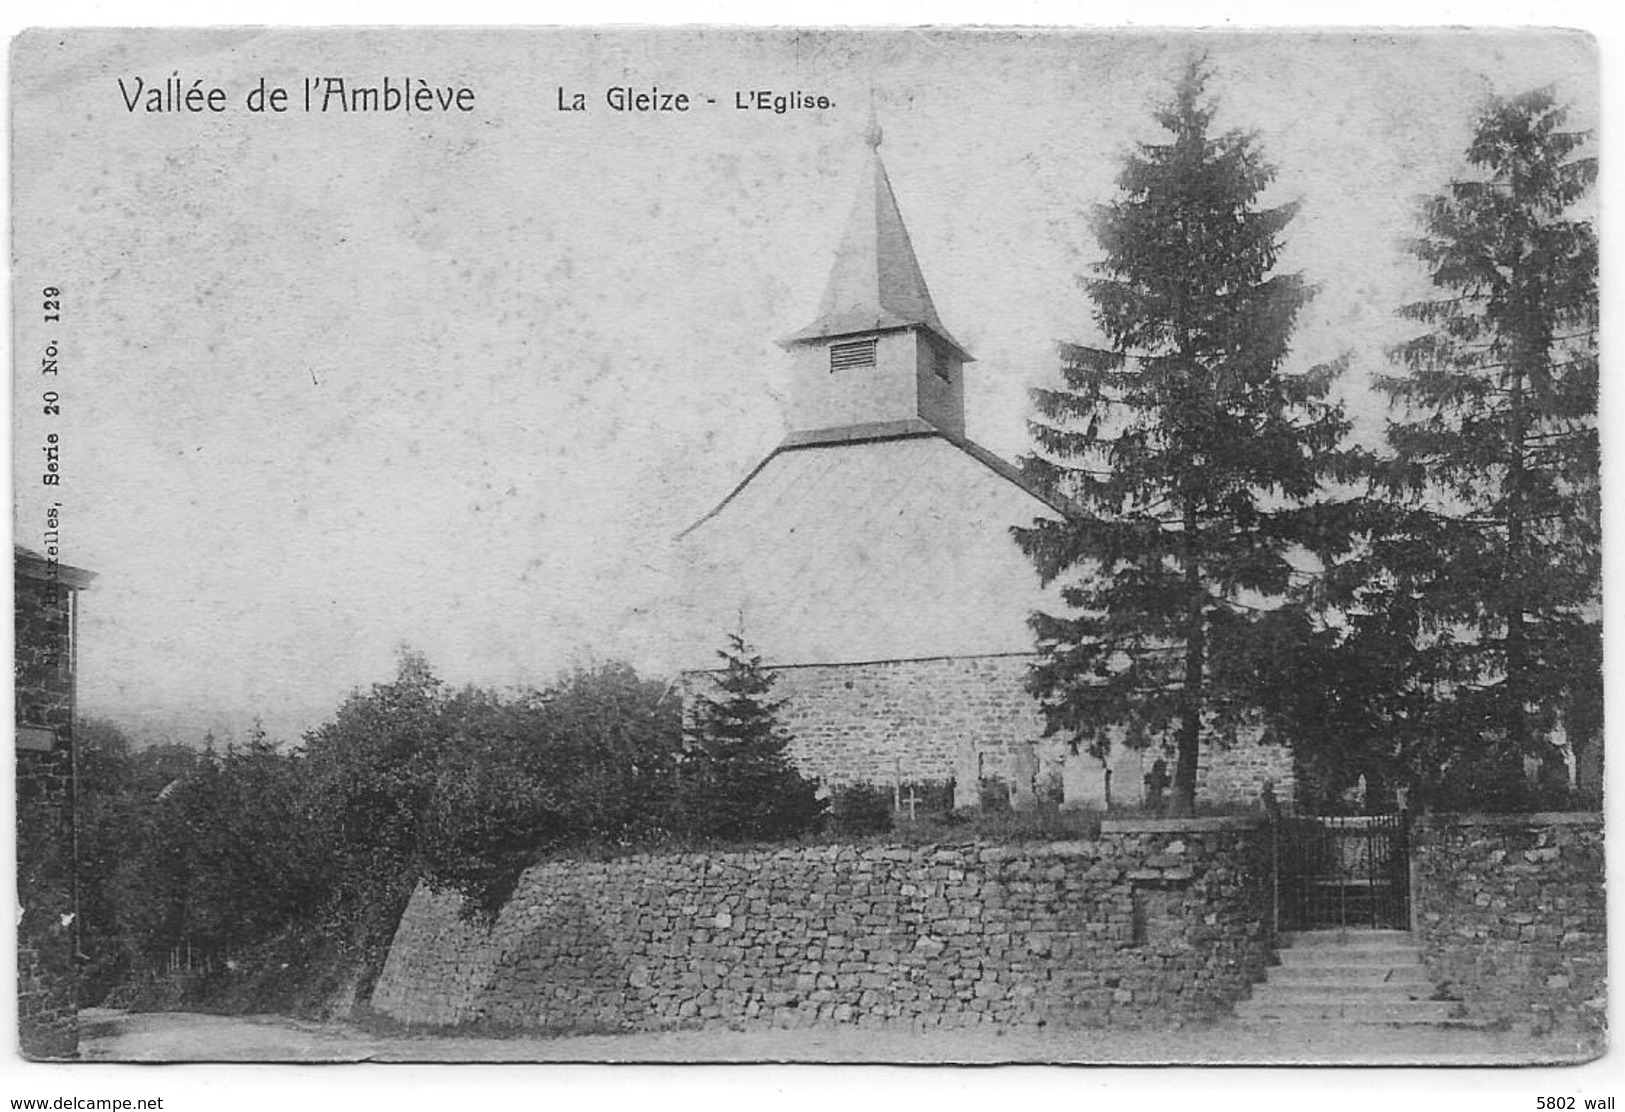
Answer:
(855, 353)
(939, 362)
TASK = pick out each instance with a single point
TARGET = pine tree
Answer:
(737, 782)
(1194, 460)
(1491, 567)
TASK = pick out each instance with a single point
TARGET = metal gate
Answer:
(1342, 872)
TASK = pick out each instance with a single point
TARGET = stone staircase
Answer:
(1348, 977)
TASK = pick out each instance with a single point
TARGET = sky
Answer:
(334, 384)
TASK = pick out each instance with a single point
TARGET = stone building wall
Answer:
(955, 718)
(861, 723)
(47, 984)
(1151, 923)
(1510, 913)
(1238, 774)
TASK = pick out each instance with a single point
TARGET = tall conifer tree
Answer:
(1492, 565)
(1195, 461)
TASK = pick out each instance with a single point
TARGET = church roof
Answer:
(876, 284)
(893, 546)
(897, 430)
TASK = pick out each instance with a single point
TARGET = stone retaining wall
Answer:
(1150, 924)
(1510, 913)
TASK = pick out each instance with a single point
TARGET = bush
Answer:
(1005, 827)
(931, 797)
(995, 795)
(858, 810)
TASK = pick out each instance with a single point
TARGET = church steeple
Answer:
(878, 354)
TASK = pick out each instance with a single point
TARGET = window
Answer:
(856, 353)
(939, 362)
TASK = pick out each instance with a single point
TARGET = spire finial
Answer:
(872, 134)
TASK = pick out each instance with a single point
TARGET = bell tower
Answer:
(878, 360)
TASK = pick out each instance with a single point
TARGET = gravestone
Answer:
(1084, 782)
(1023, 777)
(967, 777)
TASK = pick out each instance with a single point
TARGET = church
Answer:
(869, 559)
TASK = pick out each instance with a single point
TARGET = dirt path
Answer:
(190, 1037)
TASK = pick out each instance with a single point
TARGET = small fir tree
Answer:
(737, 782)
(1194, 460)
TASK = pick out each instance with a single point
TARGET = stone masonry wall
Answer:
(1151, 923)
(861, 722)
(47, 985)
(948, 717)
(1239, 773)
(1510, 913)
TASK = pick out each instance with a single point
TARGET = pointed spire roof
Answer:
(875, 284)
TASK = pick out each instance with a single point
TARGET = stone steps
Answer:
(1357, 976)
(1346, 937)
(1351, 991)
(1353, 958)
(1347, 977)
(1407, 1012)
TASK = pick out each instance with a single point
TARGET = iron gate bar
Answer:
(1334, 871)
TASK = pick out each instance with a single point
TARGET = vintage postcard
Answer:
(930, 545)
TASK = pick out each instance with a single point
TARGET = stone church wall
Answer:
(923, 719)
(1510, 912)
(955, 718)
(1238, 774)
(1152, 923)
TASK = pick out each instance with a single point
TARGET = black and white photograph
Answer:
(847, 545)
